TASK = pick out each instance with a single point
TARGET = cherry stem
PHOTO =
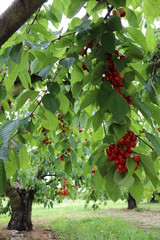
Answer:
(109, 11)
(145, 143)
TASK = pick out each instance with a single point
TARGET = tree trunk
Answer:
(21, 204)
(131, 202)
(15, 16)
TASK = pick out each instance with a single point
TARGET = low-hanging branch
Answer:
(15, 16)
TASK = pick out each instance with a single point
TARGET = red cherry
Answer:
(132, 144)
(116, 52)
(89, 45)
(106, 73)
(104, 79)
(120, 168)
(69, 150)
(82, 52)
(43, 130)
(109, 151)
(93, 171)
(112, 146)
(117, 79)
(136, 158)
(122, 57)
(111, 66)
(26, 131)
(110, 78)
(121, 84)
(62, 157)
(158, 128)
(123, 14)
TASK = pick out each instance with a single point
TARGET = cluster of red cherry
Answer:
(111, 74)
(79, 127)
(45, 141)
(115, 78)
(119, 153)
(63, 191)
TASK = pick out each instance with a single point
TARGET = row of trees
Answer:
(81, 106)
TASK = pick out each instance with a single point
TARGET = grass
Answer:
(106, 228)
(71, 221)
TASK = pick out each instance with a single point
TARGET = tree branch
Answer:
(15, 16)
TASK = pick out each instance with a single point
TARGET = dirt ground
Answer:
(147, 220)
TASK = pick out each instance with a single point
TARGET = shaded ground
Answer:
(147, 220)
(38, 233)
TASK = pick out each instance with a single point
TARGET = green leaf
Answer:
(9, 81)
(151, 39)
(136, 189)
(45, 71)
(99, 69)
(68, 167)
(148, 168)
(120, 3)
(5, 134)
(74, 8)
(155, 142)
(50, 121)
(11, 166)
(64, 103)
(131, 17)
(114, 23)
(76, 89)
(97, 120)
(2, 92)
(77, 74)
(87, 168)
(103, 95)
(16, 52)
(53, 88)
(108, 42)
(125, 181)
(98, 181)
(119, 130)
(131, 164)
(51, 102)
(67, 62)
(23, 158)
(3, 180)
(89, 99)
(111, 187)
(138, 37)
(118, 106)
(24, 96)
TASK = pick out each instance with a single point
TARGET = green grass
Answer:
(71, 221)
(104, 228)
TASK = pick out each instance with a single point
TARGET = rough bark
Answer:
(131, 202)
(15, 16)
(21, 204)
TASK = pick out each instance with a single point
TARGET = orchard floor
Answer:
(146, 217)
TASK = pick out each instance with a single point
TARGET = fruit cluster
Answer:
(120, 152)
(121, 12)
(45, 141)
(111, 74)
(115, 78)
(79, 127)
(63, 191)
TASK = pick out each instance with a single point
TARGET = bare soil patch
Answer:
(38, 233)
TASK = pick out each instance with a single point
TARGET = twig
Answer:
(109, 11)
(146, 143)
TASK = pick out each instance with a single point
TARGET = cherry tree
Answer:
(83, 103)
